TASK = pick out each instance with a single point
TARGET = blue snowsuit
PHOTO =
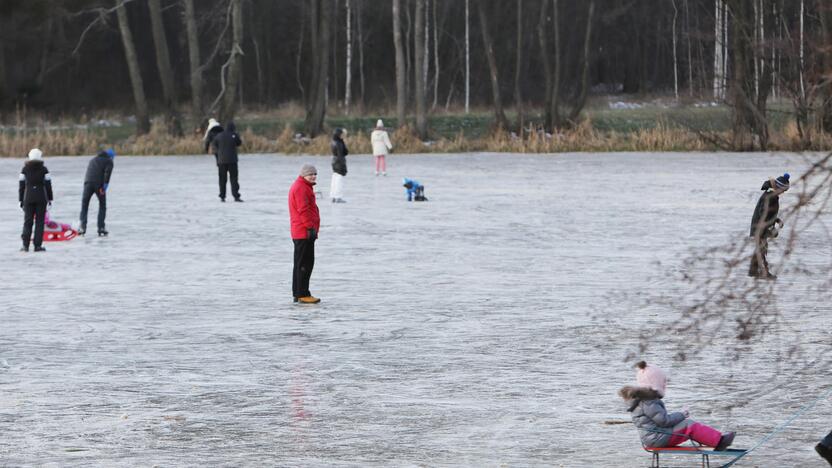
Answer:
(414, 189)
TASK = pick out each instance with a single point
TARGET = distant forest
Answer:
(188, 59)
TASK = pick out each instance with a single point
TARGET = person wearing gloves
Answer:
(225, 147)
(96, 181)
(305, 222)
(381, 147)
(764, 223)
(339, 166)
(34, 194)
(657, 427)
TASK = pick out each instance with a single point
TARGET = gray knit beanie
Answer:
(307, 170)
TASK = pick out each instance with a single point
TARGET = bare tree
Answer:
(518, 66)
(229, 89)
(160, 41)
(488, 45)
(189, 19)
(419, 71)
(467, 60)
(546, 58)
(720, 56)
(348, 68)
(316, 108)
(675, 58)
(142, 118)
(435, 57)
(401, 91)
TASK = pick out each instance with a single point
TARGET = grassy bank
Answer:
(649, 128)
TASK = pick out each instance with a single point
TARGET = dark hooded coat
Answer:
(339, 153)
(226, 143)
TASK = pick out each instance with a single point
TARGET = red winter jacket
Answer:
(303, 210)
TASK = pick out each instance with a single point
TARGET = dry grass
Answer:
(582, 138)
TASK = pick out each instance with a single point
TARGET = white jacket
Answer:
(381, 143)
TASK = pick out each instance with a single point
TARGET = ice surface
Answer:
(454, 332)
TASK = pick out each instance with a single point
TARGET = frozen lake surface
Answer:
(459, 332)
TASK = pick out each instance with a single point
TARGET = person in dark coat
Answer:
(824, 448)
(225, 146)
(339, 166)
(34, 194)
(764, 224)
(96, 181)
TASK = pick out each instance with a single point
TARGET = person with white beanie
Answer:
(34, 194)
(381, 147)
(656, 426)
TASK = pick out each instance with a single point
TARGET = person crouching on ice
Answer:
(96, 181)
(415, 190)
(656, 426)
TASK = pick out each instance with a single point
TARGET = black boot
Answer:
(725, 441)
(824, 452)
(25, 248)
(82, 230)
(39, 248)
(102, 233)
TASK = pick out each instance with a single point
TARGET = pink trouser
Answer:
(381, 164)
(692, 430)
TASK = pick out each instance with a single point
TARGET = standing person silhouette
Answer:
(381, 147)
(305, 222)
(34, 194)
(96, 181)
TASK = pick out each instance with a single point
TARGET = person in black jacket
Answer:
(764, 224)
(339, 166)
(34, 194)
(225, 146)
(96, 181)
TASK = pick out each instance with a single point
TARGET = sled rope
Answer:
(781, 427)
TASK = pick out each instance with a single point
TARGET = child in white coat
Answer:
(381, 147)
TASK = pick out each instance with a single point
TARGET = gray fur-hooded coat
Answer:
(654, 423)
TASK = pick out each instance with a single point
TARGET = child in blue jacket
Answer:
(415, 190)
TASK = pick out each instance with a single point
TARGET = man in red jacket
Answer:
(305, 221)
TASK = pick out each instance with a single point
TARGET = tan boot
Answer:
(309, 300)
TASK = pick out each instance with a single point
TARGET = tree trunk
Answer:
(554, 111)
(467, 60)
(825, 12)
(547, 61)
(229, 102)
(518, 65)
(581, 101)
(401, 92)
(358, 12)
(488, 45)
(160, 42)
(193, 57)
(435, 58)
(675, 57)
(749, 115)
(690, 53)
(348, 68)
(318, 87)
(142, 119)
(419, 72)
(719, 50)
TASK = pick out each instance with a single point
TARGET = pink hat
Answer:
(652, 377)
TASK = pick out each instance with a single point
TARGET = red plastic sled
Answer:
(56, 232)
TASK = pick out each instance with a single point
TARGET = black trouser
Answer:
(225, 170)
(304, 262)
(759, 264)
(33, 212)
(89, 190)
